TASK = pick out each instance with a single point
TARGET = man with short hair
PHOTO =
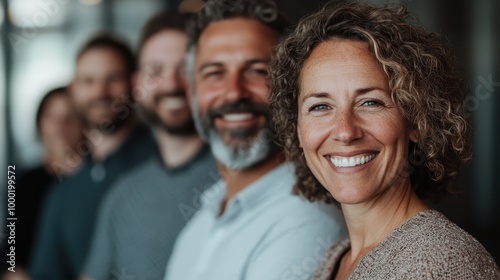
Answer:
(250, 226)
(142, 215)
(115, 142)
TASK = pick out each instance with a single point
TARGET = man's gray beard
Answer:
(242, 156)
(248, 154)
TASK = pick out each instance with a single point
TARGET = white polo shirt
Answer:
(266, 232)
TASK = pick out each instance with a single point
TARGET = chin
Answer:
(346, 195)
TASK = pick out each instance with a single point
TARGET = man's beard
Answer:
(185, 128)
(111, 124)
(249, 146)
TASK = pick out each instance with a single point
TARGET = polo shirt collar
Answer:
(283, 176)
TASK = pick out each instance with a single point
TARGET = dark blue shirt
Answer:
(70, 211)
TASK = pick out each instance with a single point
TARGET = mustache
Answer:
(238, 107)
(177, 93)
(96, 102)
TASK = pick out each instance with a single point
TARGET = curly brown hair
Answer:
(425, 84)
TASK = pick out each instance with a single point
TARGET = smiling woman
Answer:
(371, 110)
(354, 137)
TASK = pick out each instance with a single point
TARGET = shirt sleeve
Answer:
(99, 260)
(48, 261)
(293, 249)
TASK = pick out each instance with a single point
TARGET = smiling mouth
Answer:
(351, 161)
(237, 117)
(172, 102)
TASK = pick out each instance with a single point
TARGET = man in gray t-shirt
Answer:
(145, 210)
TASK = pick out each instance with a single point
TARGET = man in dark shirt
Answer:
(143, 213)
(114, 143)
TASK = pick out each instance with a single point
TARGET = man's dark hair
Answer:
(264, 11)
(111, 41)
(161, 21)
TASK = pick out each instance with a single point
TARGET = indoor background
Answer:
(40, 39)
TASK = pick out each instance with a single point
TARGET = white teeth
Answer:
(172, 103)
(237, 117)
(351, 161)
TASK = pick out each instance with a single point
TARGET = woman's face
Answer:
(59, 124)
(355, 139)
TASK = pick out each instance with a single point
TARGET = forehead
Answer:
(347, 61)
(57, 101)
(100, 60)
(235, 37)
(167, 44)
(57, 98)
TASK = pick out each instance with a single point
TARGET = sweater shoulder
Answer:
(431, 246)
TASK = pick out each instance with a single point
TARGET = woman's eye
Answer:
(319, 107)
(372, 103)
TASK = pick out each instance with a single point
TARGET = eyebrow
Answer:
(257, 60)
(325, 95)
(220, 64)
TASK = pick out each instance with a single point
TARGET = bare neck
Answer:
(238, 180)
(177, 150)
(106, 143)
(370, 223)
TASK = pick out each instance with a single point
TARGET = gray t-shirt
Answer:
(142, 215)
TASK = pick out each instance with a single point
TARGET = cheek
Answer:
(390, 132)
(119, 89)
(143, 92)
(79, 96)
(260, 92)
(48, 127)
(209, 97)
(147, 99)
(44, 128)
(75, 131)
(312, 133)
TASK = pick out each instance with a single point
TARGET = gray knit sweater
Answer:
(427, 246)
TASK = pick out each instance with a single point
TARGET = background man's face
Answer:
(160, 83)
(101, 87)
(231, 91)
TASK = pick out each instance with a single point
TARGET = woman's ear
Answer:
(299, 136)
(414, 135)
